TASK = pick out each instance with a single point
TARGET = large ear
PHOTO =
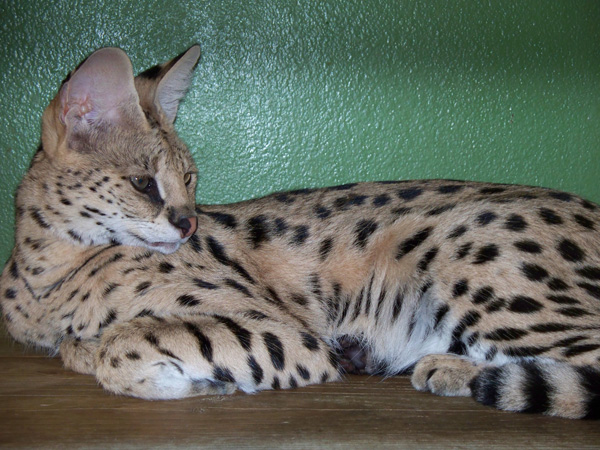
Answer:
(174, 78)
(100, 92)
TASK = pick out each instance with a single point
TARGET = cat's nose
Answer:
(186, 225)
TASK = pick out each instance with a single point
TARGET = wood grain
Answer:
(44, 406)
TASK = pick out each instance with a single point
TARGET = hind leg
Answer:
(446, 374)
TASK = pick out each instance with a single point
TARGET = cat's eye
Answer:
(141, 183)
(187, 178)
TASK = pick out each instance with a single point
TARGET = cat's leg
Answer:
(186, 356)
(445, 374)
(79, 355)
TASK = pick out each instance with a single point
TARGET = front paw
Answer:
(79, 355)
(447, 375)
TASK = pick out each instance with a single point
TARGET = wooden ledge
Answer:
(44, 406)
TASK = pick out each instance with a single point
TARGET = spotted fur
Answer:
(478, 289)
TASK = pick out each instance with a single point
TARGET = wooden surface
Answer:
(44, 406)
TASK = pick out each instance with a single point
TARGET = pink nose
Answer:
(187, 231)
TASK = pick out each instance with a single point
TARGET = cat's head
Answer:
(115, 169)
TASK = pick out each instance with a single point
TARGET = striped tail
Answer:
(556, 389)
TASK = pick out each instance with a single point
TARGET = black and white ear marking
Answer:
(175, 83)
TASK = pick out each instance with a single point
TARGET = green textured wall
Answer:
(307, 93)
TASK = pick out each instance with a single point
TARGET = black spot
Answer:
(344, 203)
(461, 287)
(203, 341)
(584, 221)
(300, 235)
(457, 346)
(579, 349)
(110, 317)
(593, 273)
(413, 242)
(322, 212)
(205, 284)
(534, 272)
(284, 198)
(275, 384)
(255, 315)
(450, 188)
(491, 190)
(588, 205)
(381, 200)
(194, 242)
(570, 251)
(165, 267)
(224, 219)
(299, 299)
(572, 312)
(464, 250)
(515, 223)
(364, 229)
(506, 334)
(309, 341)
(550, 217)
(242, 334)
(486, 254)
(293, 384)
(325, 248)
(238, 287)
(524, 305)
(409, 193)
(551, 327)
(457, 232)
(188, 300)
(303, 372)
(565, 197)
(115, 362)
(591, 289)
(483, 295)
(427, 258)
(143, 286)
(275, 349)
(223, 374)
(257, 371)
(281, 226)
(133, 356)
(14, 272)
(258, 230)
(38, 218)
(522, 352)
(10, 293)
(440, 314)
(556, 284)
(151, 339)
(563, 299)
(528, 246)
(485, 218)
(441, 209)
(65, 201)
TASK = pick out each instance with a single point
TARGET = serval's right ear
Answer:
(99, 94)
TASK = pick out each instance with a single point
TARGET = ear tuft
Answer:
(175, 83)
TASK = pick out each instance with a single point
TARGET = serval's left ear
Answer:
(163, 86)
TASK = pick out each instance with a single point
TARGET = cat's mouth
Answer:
(164, 247)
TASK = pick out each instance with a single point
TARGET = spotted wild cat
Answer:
(477, 289)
